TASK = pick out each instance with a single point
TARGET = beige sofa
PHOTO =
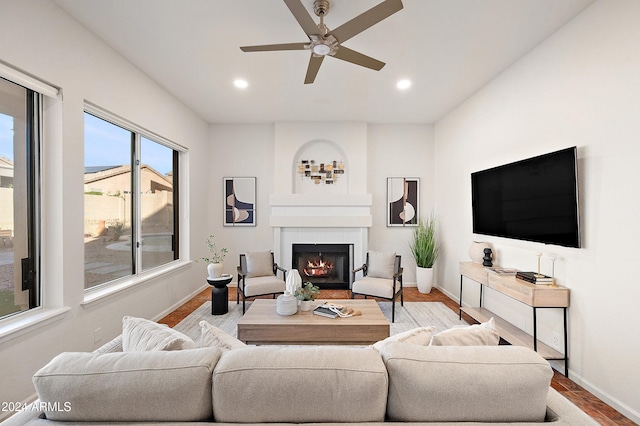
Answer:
(395, 383)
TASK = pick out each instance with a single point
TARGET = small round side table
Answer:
(219, 294)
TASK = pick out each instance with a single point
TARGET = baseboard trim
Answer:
(627, 411)
(180, 303)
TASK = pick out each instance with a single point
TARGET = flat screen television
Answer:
(534, 199)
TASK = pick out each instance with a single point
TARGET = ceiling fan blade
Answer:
(312, 69)
(302, 16)
(358, 58)
(365, 20)
(270, 47)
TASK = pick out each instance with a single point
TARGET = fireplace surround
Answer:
(320, 219)
(328, 266)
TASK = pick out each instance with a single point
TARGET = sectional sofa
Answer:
(396, 382)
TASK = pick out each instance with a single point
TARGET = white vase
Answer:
(215, 270)
(305, 305)
(476, 251)
(424, 278)
(287, 304)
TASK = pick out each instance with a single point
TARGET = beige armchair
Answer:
(381, 278)
(257, 276)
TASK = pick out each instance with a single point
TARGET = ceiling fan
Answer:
(323, 42)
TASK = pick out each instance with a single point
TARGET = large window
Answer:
(19, 198)
(130, 200)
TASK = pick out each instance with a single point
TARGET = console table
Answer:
(534, 295)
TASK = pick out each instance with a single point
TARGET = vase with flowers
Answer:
(215, 266)
(306, 294)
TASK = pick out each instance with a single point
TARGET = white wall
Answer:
(41, 40)
(240, 151)
(578, 88)
(397, 150)
(249, 150)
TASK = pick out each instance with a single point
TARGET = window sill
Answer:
(29, 321)
(93, 297)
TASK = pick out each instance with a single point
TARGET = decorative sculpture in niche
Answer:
(321, 172)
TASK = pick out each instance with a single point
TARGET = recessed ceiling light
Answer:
(403, 84)
(240, 83)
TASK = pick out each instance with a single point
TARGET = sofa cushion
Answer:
(259, 263)
(381, 264)
(139, 334)
(415, 336)
(300, 384)
(212, 336)
(473, 335)
(465, 383)
(129, 386)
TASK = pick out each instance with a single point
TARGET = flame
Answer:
(318, 268)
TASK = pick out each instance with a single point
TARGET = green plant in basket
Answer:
(308, 291)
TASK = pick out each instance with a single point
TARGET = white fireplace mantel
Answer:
(321, 210)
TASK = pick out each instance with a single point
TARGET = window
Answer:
(130, 200)
(19, 198)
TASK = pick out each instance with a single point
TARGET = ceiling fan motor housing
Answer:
(321, 7)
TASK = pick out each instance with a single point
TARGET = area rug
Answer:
(411, 315)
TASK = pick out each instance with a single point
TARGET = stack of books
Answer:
(534, 278)
(330, 310)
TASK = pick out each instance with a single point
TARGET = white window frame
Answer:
(105, 290)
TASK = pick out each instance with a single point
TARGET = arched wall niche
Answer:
(315, 158)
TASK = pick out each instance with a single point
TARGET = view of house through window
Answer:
(129, 222)
(18, 168)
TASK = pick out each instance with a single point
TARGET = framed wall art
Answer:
(239, 201)
(403, 201)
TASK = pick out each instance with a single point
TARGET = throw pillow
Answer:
(381, 265)
(416, 336)
(484, 334)
(212, 336)
(139, 334)
(259, 264)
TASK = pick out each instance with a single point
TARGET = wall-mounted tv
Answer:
(534, 199)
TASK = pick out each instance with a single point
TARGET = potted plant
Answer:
(425, 250)
(214, 267)
(306, 294)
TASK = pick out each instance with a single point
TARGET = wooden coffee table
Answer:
(261, 325)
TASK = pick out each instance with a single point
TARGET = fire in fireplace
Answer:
(325, 265)
(318, 268)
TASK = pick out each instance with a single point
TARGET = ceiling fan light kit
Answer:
(325, 42)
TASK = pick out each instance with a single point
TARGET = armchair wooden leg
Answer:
(243, 303)
(393, 310)
(352, 295)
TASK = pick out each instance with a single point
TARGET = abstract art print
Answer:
(403, 201)
(240, 201)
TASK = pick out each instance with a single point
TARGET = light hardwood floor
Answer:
(590, 404)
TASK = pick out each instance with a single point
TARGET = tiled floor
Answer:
(593, 406)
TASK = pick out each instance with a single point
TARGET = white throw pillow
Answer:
(381, 265)
(484, 334)
(417, 336)
(212, 336)
(259, 264)
(139, 334)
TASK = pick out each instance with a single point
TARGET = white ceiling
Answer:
(448, 48)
